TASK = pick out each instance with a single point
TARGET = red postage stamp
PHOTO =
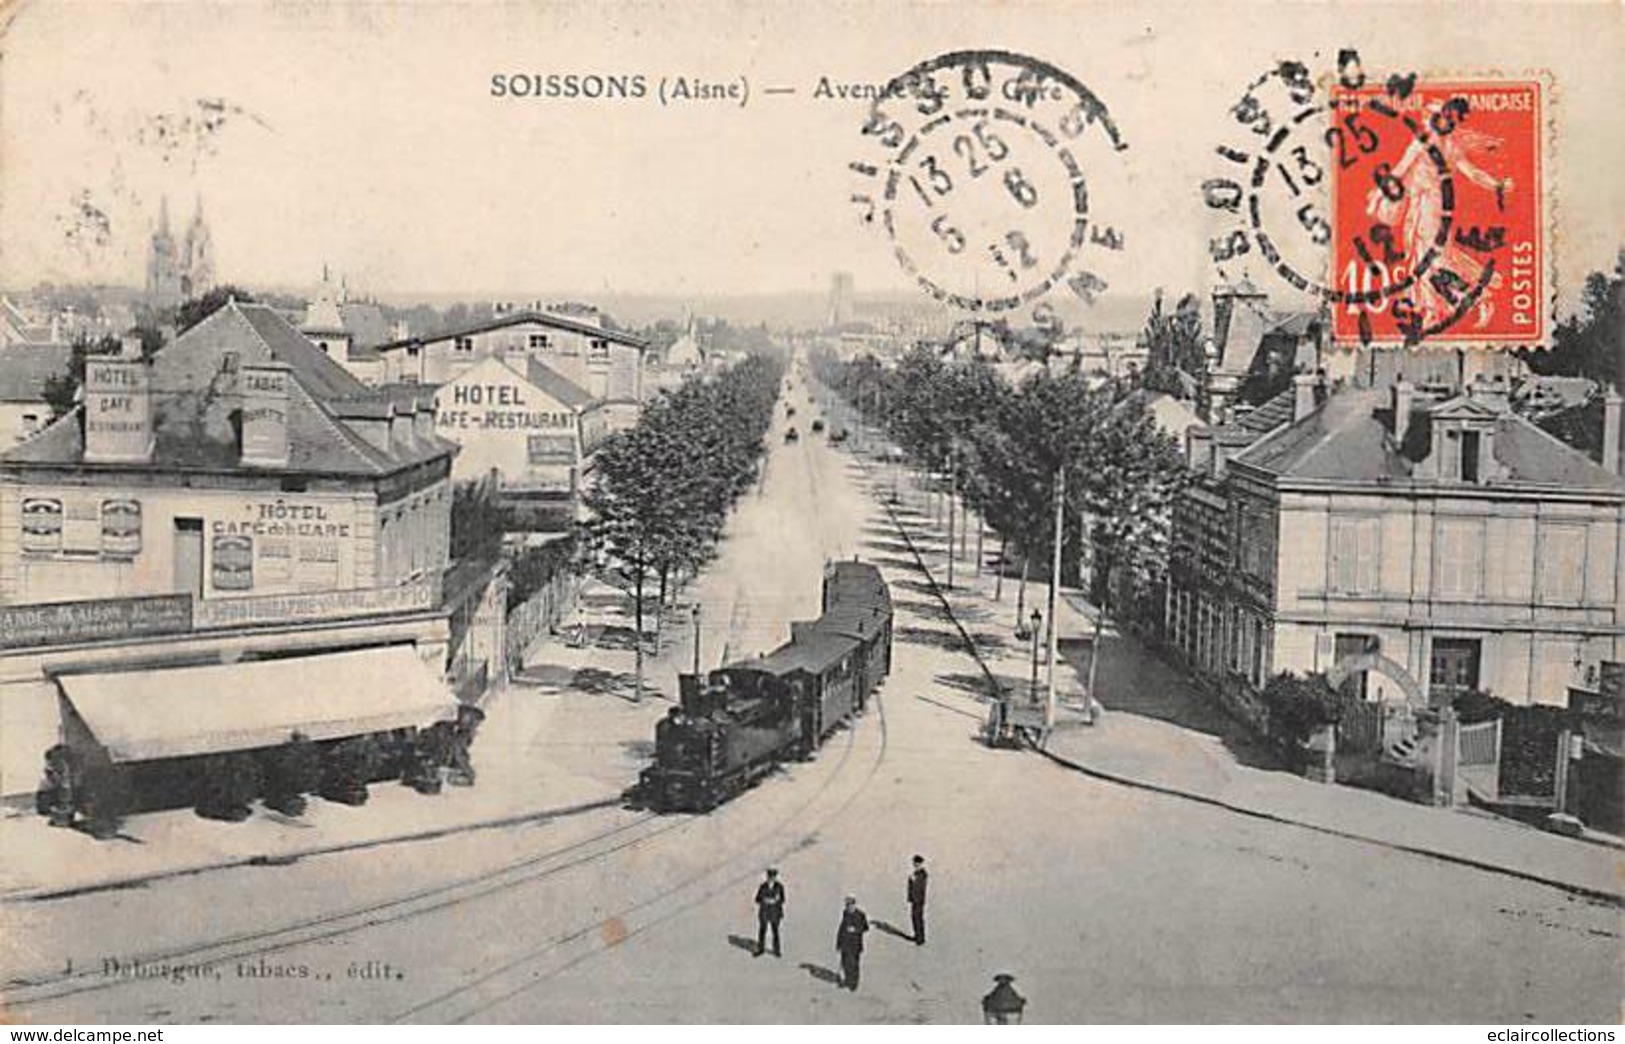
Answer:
(1439, 212)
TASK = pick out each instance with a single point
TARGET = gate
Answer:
(1360, 730)
(1478, 760)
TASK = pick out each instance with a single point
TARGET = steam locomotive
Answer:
(735, 724)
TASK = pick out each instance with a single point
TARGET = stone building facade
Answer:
(238, 497)
(1442, 545)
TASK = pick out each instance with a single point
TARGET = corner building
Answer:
(241, 496)
(1438, 544)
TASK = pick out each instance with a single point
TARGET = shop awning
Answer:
(180, 711)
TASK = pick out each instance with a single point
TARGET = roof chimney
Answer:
(1304, 398)
(264, 389)
(1610, 430)
(400, 426)
(118, 409)
(1404, 396)
(423, 419)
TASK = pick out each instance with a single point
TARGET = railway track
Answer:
(32, 990)
(46, 988)
(534, 967)
(512, 977)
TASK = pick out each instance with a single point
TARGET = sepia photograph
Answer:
(943, 513)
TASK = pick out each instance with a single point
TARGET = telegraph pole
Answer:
(952, 476)
(1054, 588)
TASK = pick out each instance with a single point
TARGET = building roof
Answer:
(1270, 414)
(685, 351)
(365, 323)
(1172, 415)
(1247, 428)
(1349, 438)
(554, 383)
(312, 368)
(24, 369)
(1294, 324)
(193, 402)
(1243, 333)
(500, 322)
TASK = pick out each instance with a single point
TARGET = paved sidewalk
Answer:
(528, 771)
(1160, 733)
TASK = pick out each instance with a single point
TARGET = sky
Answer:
(366, 136)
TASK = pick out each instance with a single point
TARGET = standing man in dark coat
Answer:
(769, 911)
(916, 899)
(849, 942)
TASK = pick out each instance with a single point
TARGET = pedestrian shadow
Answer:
(739, 942)
(821, 973)
(892, 929)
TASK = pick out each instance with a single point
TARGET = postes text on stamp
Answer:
(1413, 207)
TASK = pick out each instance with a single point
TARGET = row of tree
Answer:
(659, 493)
(1007, 450)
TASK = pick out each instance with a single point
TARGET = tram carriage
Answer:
(737, 723)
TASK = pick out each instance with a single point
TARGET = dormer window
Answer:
(1470, 446)
(1463, 444)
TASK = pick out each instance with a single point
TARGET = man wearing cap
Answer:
(769, 910)
(849, 942)
(916, 899)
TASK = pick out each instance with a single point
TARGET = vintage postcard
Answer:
(750, 512)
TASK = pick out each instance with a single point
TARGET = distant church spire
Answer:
(179, 270)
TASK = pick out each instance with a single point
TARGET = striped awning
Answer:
(182, 711)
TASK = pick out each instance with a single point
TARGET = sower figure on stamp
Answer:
(849, 942)
(769, 911)
(916, 899)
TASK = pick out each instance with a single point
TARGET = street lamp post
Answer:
(1037, 621)
(696, 615)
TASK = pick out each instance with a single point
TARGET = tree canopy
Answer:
(1007, 446)
(1588, 343)
(661, 491)
(196, 309)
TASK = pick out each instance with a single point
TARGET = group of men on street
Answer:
(854, 922)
